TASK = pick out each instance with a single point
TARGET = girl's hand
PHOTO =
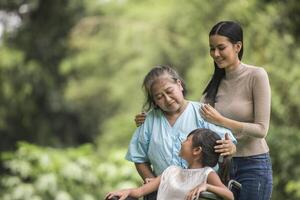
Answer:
(140, 119)
(122, 194)
(195, 193)
(225, 147)
(210, 114)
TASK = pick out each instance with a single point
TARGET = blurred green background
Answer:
(70, 84)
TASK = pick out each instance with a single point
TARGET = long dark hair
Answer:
(206, 139)
(152, 76)
(234, 32)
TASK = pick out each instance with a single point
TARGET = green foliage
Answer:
(35, 172)
(32, 103)
(72, 72)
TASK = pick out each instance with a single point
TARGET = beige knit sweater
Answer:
(244, 95)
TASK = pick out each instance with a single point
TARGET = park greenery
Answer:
(70, 84)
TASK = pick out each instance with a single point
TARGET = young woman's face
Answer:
(224, 53)
(168, 94)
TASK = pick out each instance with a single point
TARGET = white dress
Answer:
(177, 182)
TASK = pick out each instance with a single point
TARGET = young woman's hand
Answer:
(195, 193)
(210, 114)
(225, 147)
(140, 119)
(122, 194)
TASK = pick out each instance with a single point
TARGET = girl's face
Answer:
(186, 150)
(224, 53)
(168, 94)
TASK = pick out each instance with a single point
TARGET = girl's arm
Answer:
(213, 185)
(145, 171)
(136, 192)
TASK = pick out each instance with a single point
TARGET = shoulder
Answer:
(208, 170)
(195, 104)
(147, 126)
(194, 109)
(258, 78)
(255, 71)
(171, 169)
(213, 178)
(152, 115)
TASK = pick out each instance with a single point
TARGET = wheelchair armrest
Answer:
(113, 198)
(234, 184)
(209, 196)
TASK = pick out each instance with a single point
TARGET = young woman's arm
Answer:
(225, 146)
(212, 115)
(213, 185)
(136, 192)
(262, 106)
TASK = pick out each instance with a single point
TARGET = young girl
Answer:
(156, 143)
(178, 184)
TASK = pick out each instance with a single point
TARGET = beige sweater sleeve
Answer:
(262, 105)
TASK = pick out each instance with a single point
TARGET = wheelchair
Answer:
(204, 195)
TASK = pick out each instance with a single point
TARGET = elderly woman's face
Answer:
(168, 94)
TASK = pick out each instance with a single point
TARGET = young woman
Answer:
(178, 184)
(156, 143)
(238, 97)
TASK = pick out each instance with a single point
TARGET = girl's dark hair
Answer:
(206, 139)
(152, 76)
(234, 32)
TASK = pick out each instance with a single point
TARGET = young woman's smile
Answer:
(224, 53)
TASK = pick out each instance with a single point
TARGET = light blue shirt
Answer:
(159, 143)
